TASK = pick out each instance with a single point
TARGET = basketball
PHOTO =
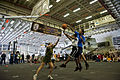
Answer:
(64, 26)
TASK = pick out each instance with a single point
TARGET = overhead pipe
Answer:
(106, 7)
(19, 17)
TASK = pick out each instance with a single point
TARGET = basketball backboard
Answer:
(40, 8)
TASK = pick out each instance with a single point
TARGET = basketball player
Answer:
(81, 41)
(47, 59)
(74, 41)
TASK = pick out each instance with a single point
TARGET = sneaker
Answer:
(76, 69)
(80, 69)
(49, 67)
(55, 67)
(50, 77)
(87, 66)
(35, 77)
(63, 65)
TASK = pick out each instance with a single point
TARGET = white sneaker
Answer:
(35, 77)
(50, 77)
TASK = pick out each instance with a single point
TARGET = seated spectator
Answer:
(104, 58)
(118, 59)
(109, 59)
(98, 58)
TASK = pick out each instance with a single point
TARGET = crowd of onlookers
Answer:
(13, 58)
(17, 58)
(110, 56)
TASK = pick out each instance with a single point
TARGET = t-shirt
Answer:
(3, 56)
(80, 40)
(75, 42)
(53, 57)
(49, 51)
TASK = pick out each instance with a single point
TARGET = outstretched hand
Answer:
(58, 38)
(64, 31)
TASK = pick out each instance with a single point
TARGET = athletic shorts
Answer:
(47, 59)
(53, 60)
(74, 51)
(79, 52)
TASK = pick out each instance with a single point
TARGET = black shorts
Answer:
(74, 51)
(79, 52)
(53, 60)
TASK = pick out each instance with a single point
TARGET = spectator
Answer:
(118, 59)
(19, 56)
(104, 58)
(3, 57)
(109, 59)
(22, 60)
(16, 57)
(98, 58)
(94, 57)
(33, 58)
(11, 58)
(28, 58)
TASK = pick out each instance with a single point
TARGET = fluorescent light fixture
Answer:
(88, 17)
(66, 15)
(78, 21)
(93, 1)
(76, 10)
(57, 0)
(11, 29)
(27, 0)
(103, 12)
(12, 22)
(3, 34)
(50, 6)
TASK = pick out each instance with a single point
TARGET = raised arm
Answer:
(56, 42)
(68, 36)
(73, 30)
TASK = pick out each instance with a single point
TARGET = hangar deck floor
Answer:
(97, 71)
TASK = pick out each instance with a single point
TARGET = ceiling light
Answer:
(103, 12)
(93, 1)
(11, 29)
(78, 21)
(12, 22)
(76, 10)
(66, 15)
(88, 17)
(3, 34)
(57, 0)
(27, 0)
(50, 6)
